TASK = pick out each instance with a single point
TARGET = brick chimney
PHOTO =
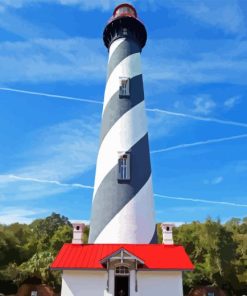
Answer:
(167, 233)
(78, 230)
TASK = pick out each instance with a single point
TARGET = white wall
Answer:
(93, 283)
(159, 283)
(88, 283)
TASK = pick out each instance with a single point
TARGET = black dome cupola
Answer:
(125, 24)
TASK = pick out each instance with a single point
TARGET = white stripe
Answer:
(135, 223)
(114, 46)
(129, 67)
(127, 131)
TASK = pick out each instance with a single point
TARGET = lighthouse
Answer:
(123, 256)
(123, 206)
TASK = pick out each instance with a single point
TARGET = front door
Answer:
(121, 286)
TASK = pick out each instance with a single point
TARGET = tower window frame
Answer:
(124, 87)
(124, 166)
(125, 31)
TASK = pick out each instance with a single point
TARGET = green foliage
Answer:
(38, 266)
(62, 235)
(28, 250)
(86, 234)
(218, 251)
(9, 246)
(44, 229)
(159, 233)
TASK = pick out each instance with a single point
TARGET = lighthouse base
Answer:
(93, 283)
(122, 269)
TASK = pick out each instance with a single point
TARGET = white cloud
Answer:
(19, 26)
(61, 152)
(9, 215)
(50, 60)
(232, 102)
(225, 15)
(160, 125)
(217, 180)
(182, 71)
(209, 61)
(64, 150)
(203, 105)
(91, 4)
(214, 181)
(83, 4)
(84, 60)
(87, 222)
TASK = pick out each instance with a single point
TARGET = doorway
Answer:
(121, 286)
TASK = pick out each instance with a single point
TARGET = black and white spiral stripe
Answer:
(123, 212)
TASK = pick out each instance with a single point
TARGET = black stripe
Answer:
(112, 196)
(116, 107)
(125, 49)
(154, 239)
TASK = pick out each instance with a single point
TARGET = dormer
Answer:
(124, 266)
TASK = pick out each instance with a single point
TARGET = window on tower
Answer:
(125, 31)
(124, 88)
(124, 167)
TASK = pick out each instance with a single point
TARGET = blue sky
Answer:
(195, 69)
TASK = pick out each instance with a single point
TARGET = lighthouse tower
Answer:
(122, 257)
(123, 207)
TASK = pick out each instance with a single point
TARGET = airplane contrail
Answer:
(186, 145)
(225, 203)
(81, 186)
(157, 110)
(51, 95)
(200, 118)
(49, 182)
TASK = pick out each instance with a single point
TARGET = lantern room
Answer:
(124, 23)
(124, 10)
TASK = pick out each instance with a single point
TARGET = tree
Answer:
(218, 251)
(238, 228)
(212, 248)
(38, 266)
(9, 247)
(44, 229)
(63, 235)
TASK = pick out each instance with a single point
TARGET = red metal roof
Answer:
(155, 256)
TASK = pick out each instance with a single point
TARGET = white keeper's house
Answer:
(123, 257)
(122, 269)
